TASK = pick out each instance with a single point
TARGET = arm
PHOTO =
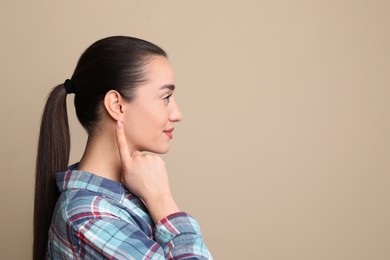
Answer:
(175, 237)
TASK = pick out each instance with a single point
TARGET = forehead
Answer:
(159, 77)
(159, 71)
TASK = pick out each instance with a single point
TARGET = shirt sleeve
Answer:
(176, 237)
(179, 235)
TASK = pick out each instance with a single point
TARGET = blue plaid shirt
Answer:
(97, 218)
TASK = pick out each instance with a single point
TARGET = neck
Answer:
(101, 157)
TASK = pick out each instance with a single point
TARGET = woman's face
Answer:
(150, 116)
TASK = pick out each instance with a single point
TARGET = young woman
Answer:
(116, 202)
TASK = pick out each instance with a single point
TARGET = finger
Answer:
(122, 145)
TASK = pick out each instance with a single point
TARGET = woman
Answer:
(116, 202)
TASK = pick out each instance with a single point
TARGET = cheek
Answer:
(156, 117)
(149, 123)
(147, 120)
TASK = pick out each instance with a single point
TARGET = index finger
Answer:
(122, 145)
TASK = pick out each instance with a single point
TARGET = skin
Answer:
(126, 129)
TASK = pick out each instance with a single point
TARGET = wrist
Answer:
(161, 207)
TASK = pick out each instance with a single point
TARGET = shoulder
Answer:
(77, 206)
(86, 221)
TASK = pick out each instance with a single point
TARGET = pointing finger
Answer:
(122, 145)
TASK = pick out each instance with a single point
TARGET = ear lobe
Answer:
(113, 103)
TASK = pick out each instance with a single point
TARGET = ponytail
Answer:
(52, 157)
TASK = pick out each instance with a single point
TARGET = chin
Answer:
(162, 151)
(158, 150)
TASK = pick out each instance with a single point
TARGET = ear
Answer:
(113, 103)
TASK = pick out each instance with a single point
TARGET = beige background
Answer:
(284, 150)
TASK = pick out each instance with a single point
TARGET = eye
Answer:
(166, 98)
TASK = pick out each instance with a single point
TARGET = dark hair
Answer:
(113, 63)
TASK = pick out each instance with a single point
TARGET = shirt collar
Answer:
(77, 179)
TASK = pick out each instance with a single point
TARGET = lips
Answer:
(168, 132)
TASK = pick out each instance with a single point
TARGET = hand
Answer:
(146, 177)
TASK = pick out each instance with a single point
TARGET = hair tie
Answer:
(69, 88)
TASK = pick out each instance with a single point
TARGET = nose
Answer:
(175, 114)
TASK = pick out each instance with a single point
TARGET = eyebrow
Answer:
(168, 86)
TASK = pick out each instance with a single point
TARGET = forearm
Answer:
(161, 206)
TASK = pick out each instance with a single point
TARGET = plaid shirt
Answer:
(97, 218)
